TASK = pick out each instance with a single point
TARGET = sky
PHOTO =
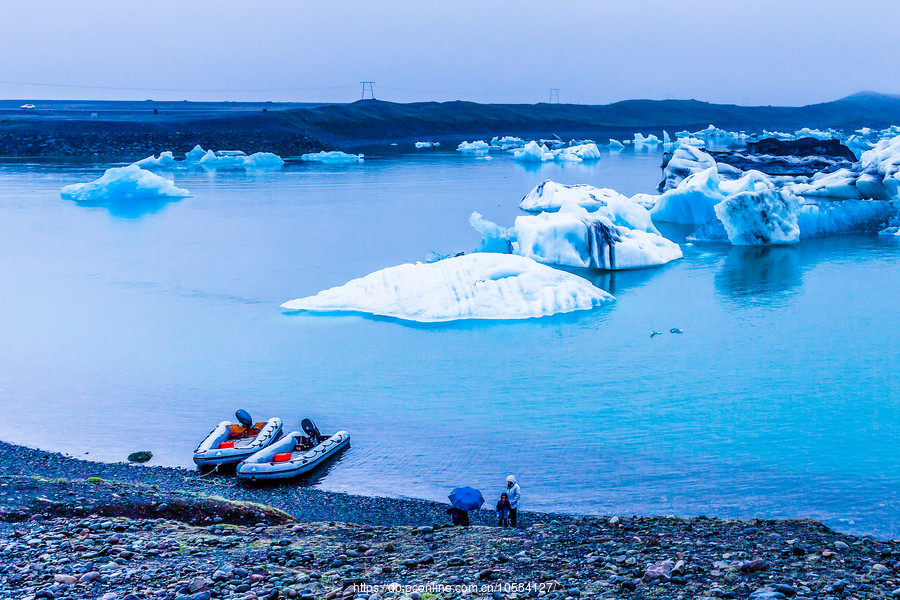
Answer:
(789, 52)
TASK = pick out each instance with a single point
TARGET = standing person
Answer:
(513, 493)
(503, 511)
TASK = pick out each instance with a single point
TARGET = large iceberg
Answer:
(334, 157)
(473, 286)
(694, 199)
(684, 162)
(761, 217)
(123, 183)
(574, 237)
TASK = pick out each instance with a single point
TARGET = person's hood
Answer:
(511, 479)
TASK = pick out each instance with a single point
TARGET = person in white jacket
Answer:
(513, 494)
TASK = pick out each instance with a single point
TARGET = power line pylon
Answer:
(554, 95)
(370, 86)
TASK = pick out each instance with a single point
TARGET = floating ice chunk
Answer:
(533, 152)
(839, 185)
(641, 142)
(421, 145)
(164, 160)
(226, 160)
(478, 147)
(713, 133)
(576, 238)
(507, 142)
(778, 135)
(692, 201)
(123, 183)
(858, 144)
(263, 161)
(760, 218)
(550, 196)
(615, 145)
(195, 154)
(816, 133)
(473, 286)
(580, 152)
(893, 231)
(685, 161)
(334, 157)
(493, 237)
(666, 139)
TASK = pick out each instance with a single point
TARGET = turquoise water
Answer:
(130, 329)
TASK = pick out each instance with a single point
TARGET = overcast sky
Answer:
(765, 52)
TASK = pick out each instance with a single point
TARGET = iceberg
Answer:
(507, 142)
(472, 286)
(640, 141)
(263, 161)
(164, 160)
(228, 160)
(579, 153)
(894, 231)
(761, 217)
(615, 145)
(123, 183)
(420, 145)
(685, 161)
(694, 199)
(574, 237)
(477, 147)
(550, 196)
(533, 152)
(818, 219)
(335, 157)
(195, 154)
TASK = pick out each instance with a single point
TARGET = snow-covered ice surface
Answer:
(473, 286)
(334, 157)
(123, 183)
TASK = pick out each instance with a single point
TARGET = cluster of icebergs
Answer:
(222, 160)
(751, 208)
(535, 151)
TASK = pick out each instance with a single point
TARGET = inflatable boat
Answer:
(230, 443)
(297, 453)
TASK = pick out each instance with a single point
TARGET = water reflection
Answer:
(759, 273)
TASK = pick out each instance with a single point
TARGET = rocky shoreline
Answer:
(75, 529)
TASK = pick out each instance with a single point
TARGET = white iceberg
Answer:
(228, 160)
(693, 201)
(894, 231)
(334, 157)
(476, 147)
(195, 154)
(615, 145)
(763, 217)
(534, 152)
(263, 161)
(164, 160)
(818, 219)
(507, 142)
(579, 153)
(685, 161)
(550, 196)
(123, 183)
(473, 286)
(421, 145)
(574, 237)
(641, 142)
(721, 136)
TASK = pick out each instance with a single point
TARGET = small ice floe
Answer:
(421, 145)
(676, 330)
(335, 157)
(220, 160)
(473, 286)
(615, 145)
(123, 183)
(653, 334)
(476, 147)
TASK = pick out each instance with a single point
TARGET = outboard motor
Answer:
(244, 418)
(311, 430)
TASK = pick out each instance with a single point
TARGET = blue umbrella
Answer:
(466, 498)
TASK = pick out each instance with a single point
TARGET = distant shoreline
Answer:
(131, 130)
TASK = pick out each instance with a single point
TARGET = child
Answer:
(503, 511)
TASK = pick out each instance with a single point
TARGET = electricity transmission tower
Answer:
(370, 86)
(554, 95)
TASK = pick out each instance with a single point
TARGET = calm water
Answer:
(130, 329)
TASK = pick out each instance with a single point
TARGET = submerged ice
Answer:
(474, 286)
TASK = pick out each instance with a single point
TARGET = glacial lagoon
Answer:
(140, 326)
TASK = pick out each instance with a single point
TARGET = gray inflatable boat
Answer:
(230, 443)
(298, 453)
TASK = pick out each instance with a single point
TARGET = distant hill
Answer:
(138, 128)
